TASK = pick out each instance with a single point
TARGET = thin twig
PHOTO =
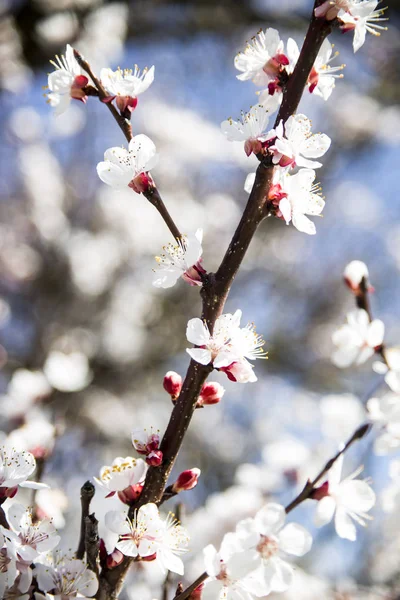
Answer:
(310, 485)
(87, 493)
(92, 542)
(3, 519)
(362, 301)
(186, 593)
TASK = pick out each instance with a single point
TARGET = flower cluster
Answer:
(228, 348)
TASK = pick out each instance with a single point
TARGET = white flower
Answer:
(8, 569)
(354, 273)
(127, 82)
(295, 196)
(347, 500)
(330, 8)
(321, 79)
(147, 534)
(122, 474)
(391, 369)
(356, 342)
(391, 494)
(267, 534)
(262, 59)
(226, 570)
(15, 468)
(240, 371)
(362, 18)
(123, 167)
(341, 415)
(295, 145)
(67, 372)
(180, 260)
(37, 435)
(26, 541)
(68, 578)
(385, 412)
(251, 129)
(66, 82)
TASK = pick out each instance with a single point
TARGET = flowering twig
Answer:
(87, 493)
(308, 489)
(152, 194)
(362, 301)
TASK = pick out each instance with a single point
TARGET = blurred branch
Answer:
(362, 301)
(87, 493)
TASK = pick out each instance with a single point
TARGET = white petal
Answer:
(283, 577)
(211, 560)
(295, 539)
(248, 184)
(115, 520)
(200, 355)
(325, 511)
(303, 224)
(376, 331)
(344, 526)
(197, 332)
(270, 518)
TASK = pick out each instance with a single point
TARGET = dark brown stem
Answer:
(186, 593)
(87, 493)
(92, 543)
(153, 196)
(310, 485)
(3, 518)
(362, 301)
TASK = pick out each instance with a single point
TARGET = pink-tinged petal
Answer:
(197, 332)
(376, 332)
(344, 526)
(295, 539)
(270, 518)
(325, 511)
(200, 355)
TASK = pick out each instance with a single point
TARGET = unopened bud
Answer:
(320, 492)
(141, 183)
(187, 480)
(355, 272)
(7, 492)
(172, 384)
(196, 594)
(114, 559)
(131, 493)
(211, 393)
(154, 458)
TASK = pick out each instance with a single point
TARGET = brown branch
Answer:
(310, 485)
(214, 293)
(92, 542)
(87, 493)
(362, 301)
(186, 593)
(3, 518)
(152, 195)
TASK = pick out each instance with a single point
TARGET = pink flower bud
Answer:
(320, 492)
(211, 393)
(187, 480)
(6, 492)
(130, 494)
(126, 103)
(154, 458)
(114, 559)
(141, 183)
(172, 384)
(355, 272)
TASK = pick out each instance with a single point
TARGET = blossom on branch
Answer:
(147, 536)
(182, 259)
(172, 384)
(148, 444)
(362, 17)
(125, 477)
(252, 128)
(358, 340)
(67, 578)
(385, 413)
(211, 393)
(8, 569)
(126, 85)
(263, 60)
(130, 167)
(345, 499)
(355, 272)
(15, 468)
(66, 82)
(321, 79)
(391, 368)
(296, 146)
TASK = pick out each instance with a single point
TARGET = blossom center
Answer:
(268, 546)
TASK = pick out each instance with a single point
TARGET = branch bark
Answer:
(87, 493)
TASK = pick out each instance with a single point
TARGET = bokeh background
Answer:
(85, 339)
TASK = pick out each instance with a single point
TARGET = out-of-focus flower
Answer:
(29, 383)
(186, 481)
(354, 274)
(26, 541)
(269, 537)
(130, 167)
(147, 535)
(361, 17)
(181, 260)
(252, 128)
(391, 494)
(321, 79)
(358, 340)
(391, 369)
(148, 444)
(227, 570)
(15, 468)
(211, 393)
(385, 413)
(295, 145)
(263, 60)
(330, 8)
(67, 372)
(341, 415)
(68, 578)
(66, 82)
(347, 499)
(172, 384)
(51, 504)
(8, 569)
(36, 436)
(125, 477)
(126, 85)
